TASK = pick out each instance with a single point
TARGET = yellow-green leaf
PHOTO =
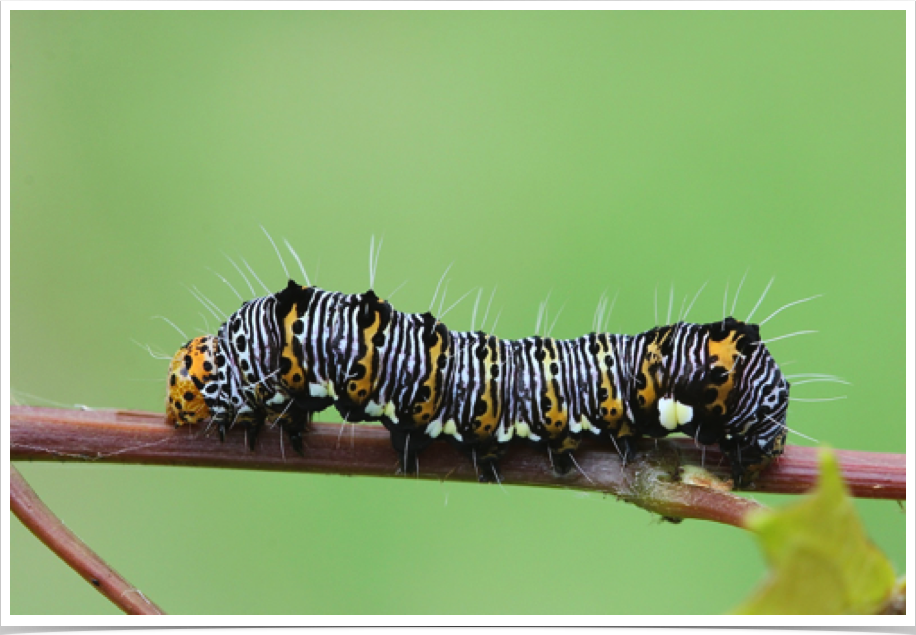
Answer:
(821, 561)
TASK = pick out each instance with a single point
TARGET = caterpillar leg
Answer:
(749, 456)
(623, 435)
(295, 427)
(489, 471)
(561, 454)
(625, 446)
(252, 421)
(562, 462)
(408, 444)
(222, 424)
(485, 456)
(746, 466)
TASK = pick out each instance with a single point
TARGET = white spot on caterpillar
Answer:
(503, 434)
(434, 428)
(575, 426)
(373, 409)
(389, 411)
(451, 429)
(672, 413)
(317, 390)
(522, 429)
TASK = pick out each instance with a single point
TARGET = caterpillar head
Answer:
(190, 370)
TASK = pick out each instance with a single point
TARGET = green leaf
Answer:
(821, 561)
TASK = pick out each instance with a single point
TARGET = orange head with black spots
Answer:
(190, 370)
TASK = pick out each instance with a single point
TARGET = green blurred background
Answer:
(570, 152)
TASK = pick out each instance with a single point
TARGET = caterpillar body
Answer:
(296, 352)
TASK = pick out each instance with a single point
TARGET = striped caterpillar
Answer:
(296, 352)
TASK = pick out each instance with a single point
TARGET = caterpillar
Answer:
(296, 352)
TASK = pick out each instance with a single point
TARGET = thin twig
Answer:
(650, 481)
(49, 529)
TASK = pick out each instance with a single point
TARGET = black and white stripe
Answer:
(518, 374)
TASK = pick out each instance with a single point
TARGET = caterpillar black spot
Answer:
(291, 354)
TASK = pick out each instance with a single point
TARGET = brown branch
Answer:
(651, 481)
(49, 529)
